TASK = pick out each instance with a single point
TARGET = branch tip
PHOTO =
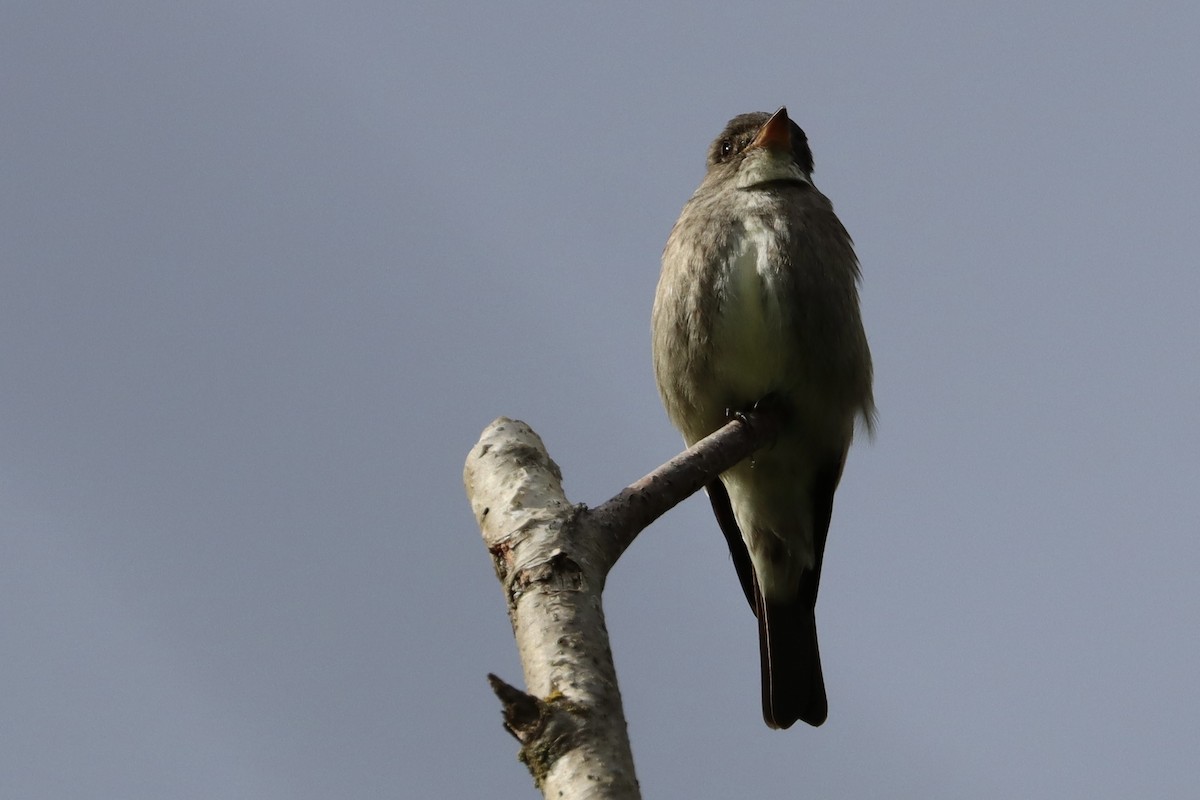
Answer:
(522, 711)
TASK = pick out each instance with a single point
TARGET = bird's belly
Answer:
(749, 349)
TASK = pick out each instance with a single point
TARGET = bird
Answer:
(757, 306)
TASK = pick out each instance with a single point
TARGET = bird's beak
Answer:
(776, 133)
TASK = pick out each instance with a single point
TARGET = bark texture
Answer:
(552, 559)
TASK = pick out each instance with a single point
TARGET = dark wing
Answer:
(824, 484)
(723, 510)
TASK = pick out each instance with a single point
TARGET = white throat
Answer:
(763, 166)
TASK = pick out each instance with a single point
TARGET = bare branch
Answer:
(647, 499)
(553, 558)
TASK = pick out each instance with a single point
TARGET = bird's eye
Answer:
(726, 148)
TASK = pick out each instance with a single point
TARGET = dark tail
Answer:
(792, 685)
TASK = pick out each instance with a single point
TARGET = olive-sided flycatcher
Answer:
(758, 304)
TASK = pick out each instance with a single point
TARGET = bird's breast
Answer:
(749, 346)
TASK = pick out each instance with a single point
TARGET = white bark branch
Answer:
(552, 559)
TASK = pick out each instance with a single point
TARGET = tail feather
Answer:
(793, 687)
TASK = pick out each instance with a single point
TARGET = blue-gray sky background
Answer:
(267, 269)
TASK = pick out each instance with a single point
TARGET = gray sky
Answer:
(268, 269)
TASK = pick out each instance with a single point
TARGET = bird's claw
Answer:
(735, 413)
(769, 404)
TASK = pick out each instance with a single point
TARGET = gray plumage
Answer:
(758, 303)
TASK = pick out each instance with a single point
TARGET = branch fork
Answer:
(552, 559)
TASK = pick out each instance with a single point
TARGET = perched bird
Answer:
(757, 303)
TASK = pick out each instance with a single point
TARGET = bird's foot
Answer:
(771, 404)
(736, 413)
